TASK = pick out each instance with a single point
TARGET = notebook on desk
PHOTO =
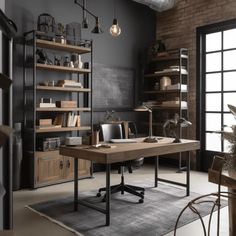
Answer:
(123, 140)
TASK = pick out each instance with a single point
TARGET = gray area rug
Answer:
(155, 217)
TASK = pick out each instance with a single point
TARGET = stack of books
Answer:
(66, 83)
(69, 119)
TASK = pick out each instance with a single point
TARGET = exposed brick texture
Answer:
(177, 28)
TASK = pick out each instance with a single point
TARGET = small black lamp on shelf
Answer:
(97, 29)
(150, 138)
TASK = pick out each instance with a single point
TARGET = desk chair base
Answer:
(122, 187)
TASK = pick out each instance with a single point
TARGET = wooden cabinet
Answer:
(53, 168)
(50, 167)
(46, 79)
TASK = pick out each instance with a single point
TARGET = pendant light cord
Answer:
(114, 3)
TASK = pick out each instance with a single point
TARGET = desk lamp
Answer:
(150, 138)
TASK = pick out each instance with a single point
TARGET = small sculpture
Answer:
(42, 57)
(109, 116)
(170, 127)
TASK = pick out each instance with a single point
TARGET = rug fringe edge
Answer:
(54, 221)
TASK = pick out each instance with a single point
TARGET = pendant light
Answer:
(115, 29)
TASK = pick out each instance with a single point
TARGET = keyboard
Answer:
(123, 140)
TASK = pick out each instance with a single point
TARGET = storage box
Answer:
(66, 104)
(45, 122)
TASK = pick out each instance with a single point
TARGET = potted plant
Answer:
(231, 138)
(231, 166)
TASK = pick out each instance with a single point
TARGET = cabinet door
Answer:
(50, 169)
(84, 168)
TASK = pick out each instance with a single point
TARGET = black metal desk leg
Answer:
(188, 174)
(108, 194)
(75, 184)
(156, 171)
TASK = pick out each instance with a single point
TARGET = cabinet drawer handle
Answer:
(68, 163)
(61, 165)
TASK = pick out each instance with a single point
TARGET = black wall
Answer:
(138, 30)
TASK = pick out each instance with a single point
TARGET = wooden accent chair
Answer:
(215, 176)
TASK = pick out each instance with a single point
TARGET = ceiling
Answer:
(158, 5)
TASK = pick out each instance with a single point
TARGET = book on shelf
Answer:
(46, 105)
(66, 104)
(66, 83)
(182, 87)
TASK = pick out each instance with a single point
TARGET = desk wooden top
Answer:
(129, 151)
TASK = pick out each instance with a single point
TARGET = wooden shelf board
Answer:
(164, 91)
(62, 89)
(62, 47)
(63, 129)
(154, 75)
(168, 107)
(62, 68)
(63, 109)
(169, 58)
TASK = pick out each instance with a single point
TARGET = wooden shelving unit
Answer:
(175, 65)
(61, 168)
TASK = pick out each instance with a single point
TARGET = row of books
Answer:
(69, 119)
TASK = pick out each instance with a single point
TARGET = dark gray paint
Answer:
(2, 6)
(138, 30)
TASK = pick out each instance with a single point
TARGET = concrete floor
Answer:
(27, 223)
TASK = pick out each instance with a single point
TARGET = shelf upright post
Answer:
(34, 89)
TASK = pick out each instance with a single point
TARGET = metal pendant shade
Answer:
(97, 29)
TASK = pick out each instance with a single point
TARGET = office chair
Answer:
(109, 131)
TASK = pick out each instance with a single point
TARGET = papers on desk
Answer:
(123, 140)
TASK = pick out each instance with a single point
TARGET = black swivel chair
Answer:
(115, 131)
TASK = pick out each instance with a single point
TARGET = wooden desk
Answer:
(125, 152)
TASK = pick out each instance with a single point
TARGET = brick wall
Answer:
(177, 28)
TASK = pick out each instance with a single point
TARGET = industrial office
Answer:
(121, 62)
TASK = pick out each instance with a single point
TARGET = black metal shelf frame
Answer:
(30, 89)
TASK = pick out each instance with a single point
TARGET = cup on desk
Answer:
(95, 137)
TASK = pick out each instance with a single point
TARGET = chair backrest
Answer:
(109, 131)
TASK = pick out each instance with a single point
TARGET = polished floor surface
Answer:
(27, 223)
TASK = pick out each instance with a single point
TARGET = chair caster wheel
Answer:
(140, 200)
(142, 193)
(99, 194)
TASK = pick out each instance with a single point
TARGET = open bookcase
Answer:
(57, 104)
